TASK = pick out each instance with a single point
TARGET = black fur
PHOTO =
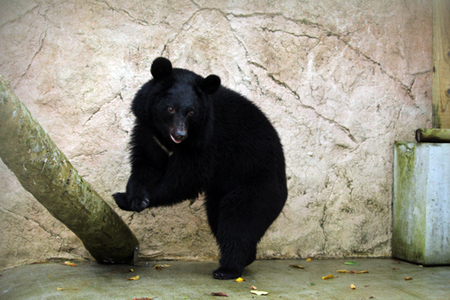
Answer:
(192, 135)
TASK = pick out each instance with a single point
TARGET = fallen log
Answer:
(45, 172)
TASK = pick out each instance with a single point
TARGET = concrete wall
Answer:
(341, 80)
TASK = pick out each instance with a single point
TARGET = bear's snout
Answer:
(178, 131)
(178, 135)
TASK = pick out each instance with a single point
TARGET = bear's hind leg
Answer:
(237, 234)
(244, 215)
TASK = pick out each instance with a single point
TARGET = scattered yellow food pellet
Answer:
(352, 286)
(259, 293)
(134, 278)
(68, 263)
(59, 289)
(342, 271)
(131, 270)
(329, 276)
(308, 259)
(362, 272)
(240, 279)
(408, 278)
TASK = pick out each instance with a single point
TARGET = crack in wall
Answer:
(184, 27)
(322, 222)
(289, 33)
(19, 17)
(41, 45)
(408, 89)
(51, 233)
(123, 11)
(333, 122)
(117, 95)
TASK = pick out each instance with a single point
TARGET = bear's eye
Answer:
(171, 109)
(191, 113)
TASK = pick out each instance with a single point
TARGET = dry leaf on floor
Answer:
(253, 287)
(259, 293)
(220, 294)
(329, 276)
(363, 272)
(69, 289)
(297, 266)
(68, 263)
(408, 278)
(39, 262)
(352, 286)
(135, 278)
(240, 279)
(160, 267)
(342, 271)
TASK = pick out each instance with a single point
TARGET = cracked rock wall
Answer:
(341, 80)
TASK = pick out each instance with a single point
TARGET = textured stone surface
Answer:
(341, 81)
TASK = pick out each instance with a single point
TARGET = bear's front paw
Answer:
(224, 274)
(133, 204)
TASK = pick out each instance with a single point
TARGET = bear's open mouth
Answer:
(177, 139)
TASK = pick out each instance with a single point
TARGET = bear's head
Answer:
(176, 103)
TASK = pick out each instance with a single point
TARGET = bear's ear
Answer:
(161, 68)
(210, 84)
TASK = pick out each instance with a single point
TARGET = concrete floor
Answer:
(193, 280)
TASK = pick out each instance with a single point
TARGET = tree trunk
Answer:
(45, 172)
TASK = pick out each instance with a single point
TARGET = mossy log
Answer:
(45, 172)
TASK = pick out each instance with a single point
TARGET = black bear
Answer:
(193, 135)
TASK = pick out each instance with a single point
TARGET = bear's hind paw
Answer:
(224, 274)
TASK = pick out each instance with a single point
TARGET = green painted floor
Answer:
(192, 280)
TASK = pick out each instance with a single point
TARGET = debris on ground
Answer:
(220, 294)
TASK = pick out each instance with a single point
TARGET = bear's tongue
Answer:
(177, 141)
